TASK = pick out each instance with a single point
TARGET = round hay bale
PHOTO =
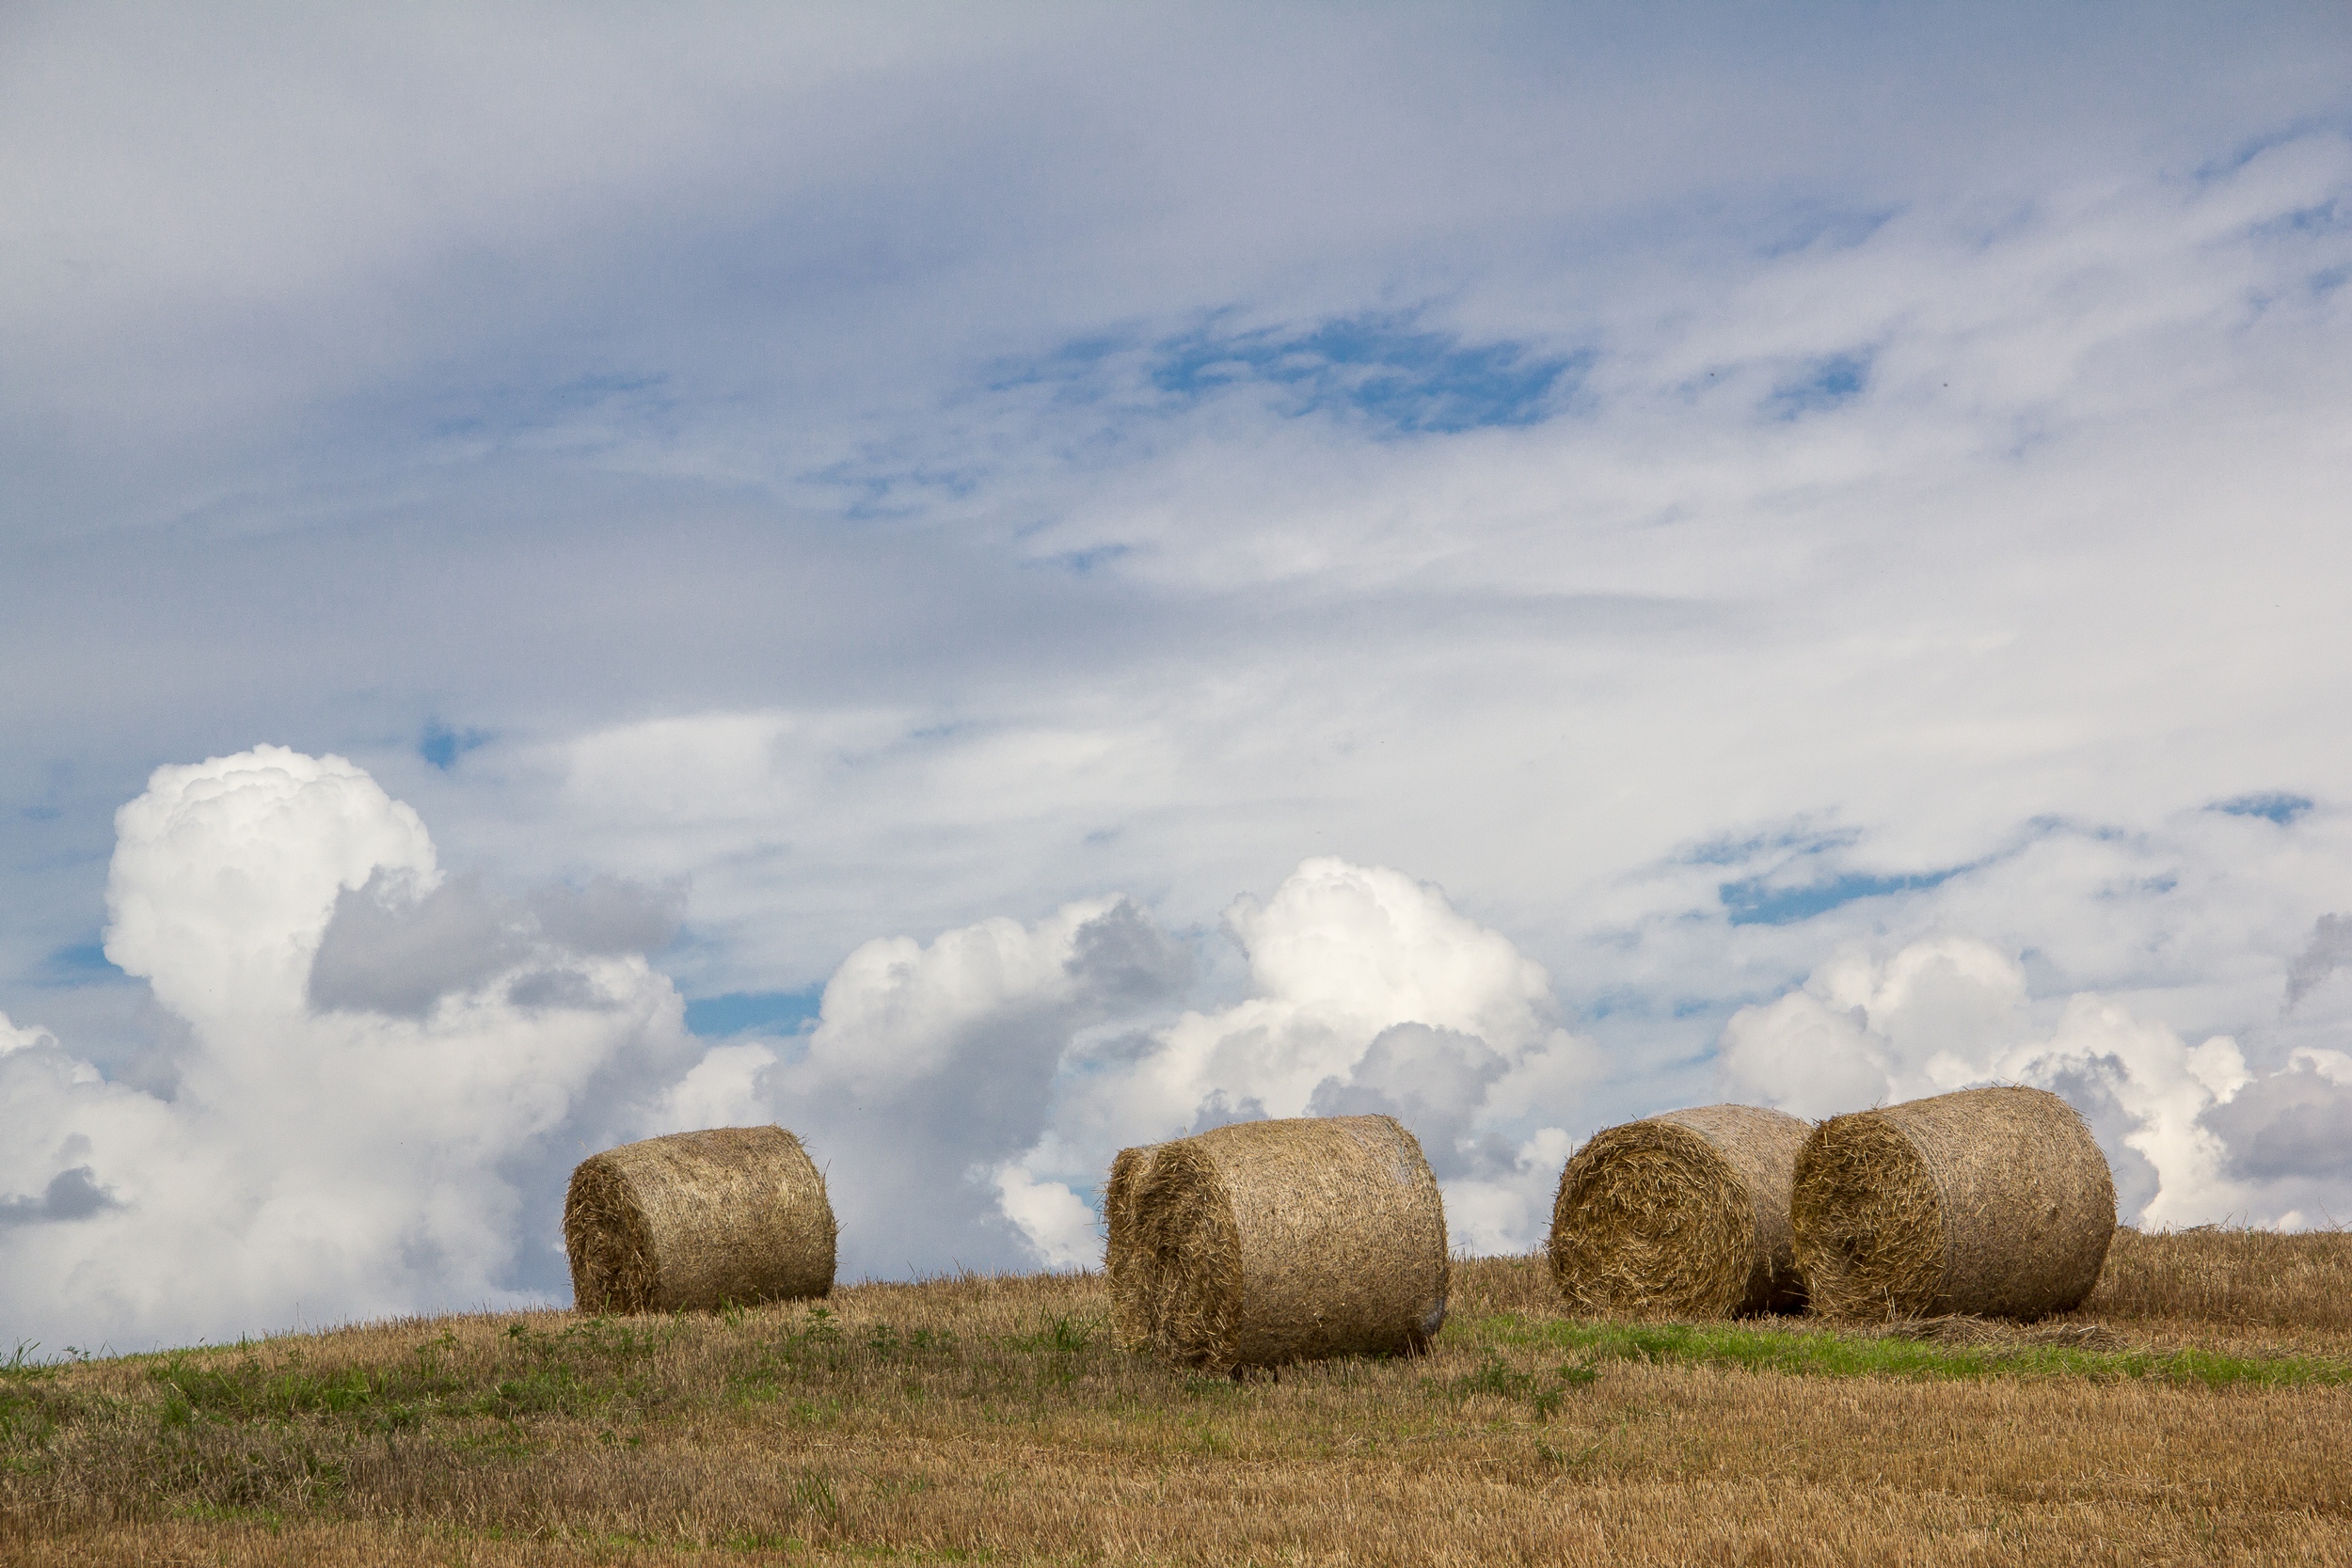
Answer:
(1995, 1203)
(732, 1215)
(1684, 1214)
(1130, 1328)
(1267, 1241)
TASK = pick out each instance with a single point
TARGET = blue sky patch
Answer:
(82, 964)
(1382, 368)
(1755, 902)
(1799, 836)
(442, 746)
(2277, 805)
(2326, 217)
(1823, 385)
(744, 1012)
(1073, 369)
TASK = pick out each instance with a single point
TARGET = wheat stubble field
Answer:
(2195, 1410)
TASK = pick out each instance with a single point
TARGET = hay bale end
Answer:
(1130, 1327)
(1684, 1214)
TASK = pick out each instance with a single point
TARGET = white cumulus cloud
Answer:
(930, 1069)
(331, 1162)
(387, 1070)
(1368, 992)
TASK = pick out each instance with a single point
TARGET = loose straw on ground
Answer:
(1684, 1214)
(1994, 1202)
(1268, 1242)
(698, 1220)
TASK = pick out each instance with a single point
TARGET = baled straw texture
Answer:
(1130, 1328)
(1991, 1202)
(1267, 1241)
(698, 1220)
(1684, 1214)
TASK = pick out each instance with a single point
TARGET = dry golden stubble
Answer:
(1684, 1214)
(760, 1438)
(698, 1220)
(1268, 1242)
(2229, 1275)
(1985, 1202)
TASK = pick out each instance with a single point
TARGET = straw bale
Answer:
(698, 1220)
(1267, 1241)
(1684, 1214)
(1990, 1203)
(1131, 1327)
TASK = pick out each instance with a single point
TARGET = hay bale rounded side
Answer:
(1992, 1202)
(697, 1220)
(1268, 1242)
(1684, 1214)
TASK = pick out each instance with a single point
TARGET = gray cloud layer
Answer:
(2330, 949)
(389, 949)
(72, 1194)
(2297, 1123)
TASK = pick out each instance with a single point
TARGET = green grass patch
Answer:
(1542, 1391)
(1063, 1335)
(1821, 1352)
(582, 1370)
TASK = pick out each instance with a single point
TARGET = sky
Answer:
(992, 584)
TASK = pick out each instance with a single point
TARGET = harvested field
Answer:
(991, 1420)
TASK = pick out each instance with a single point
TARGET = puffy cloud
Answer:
(1803, 1055)
(15, 1038)
(383, 1071)
(1434, 1081)
(1860, 1031)
(2193, 1134)
(2292, 1124)
(928, 1071)
(1368, 991)
(967, 1094)
(1339, 953)
(226, 874)
(387, 1070)
(1058, 1225)
(354, 1159)
(2102, 1058)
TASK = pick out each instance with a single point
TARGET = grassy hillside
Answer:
(2197, 1410)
